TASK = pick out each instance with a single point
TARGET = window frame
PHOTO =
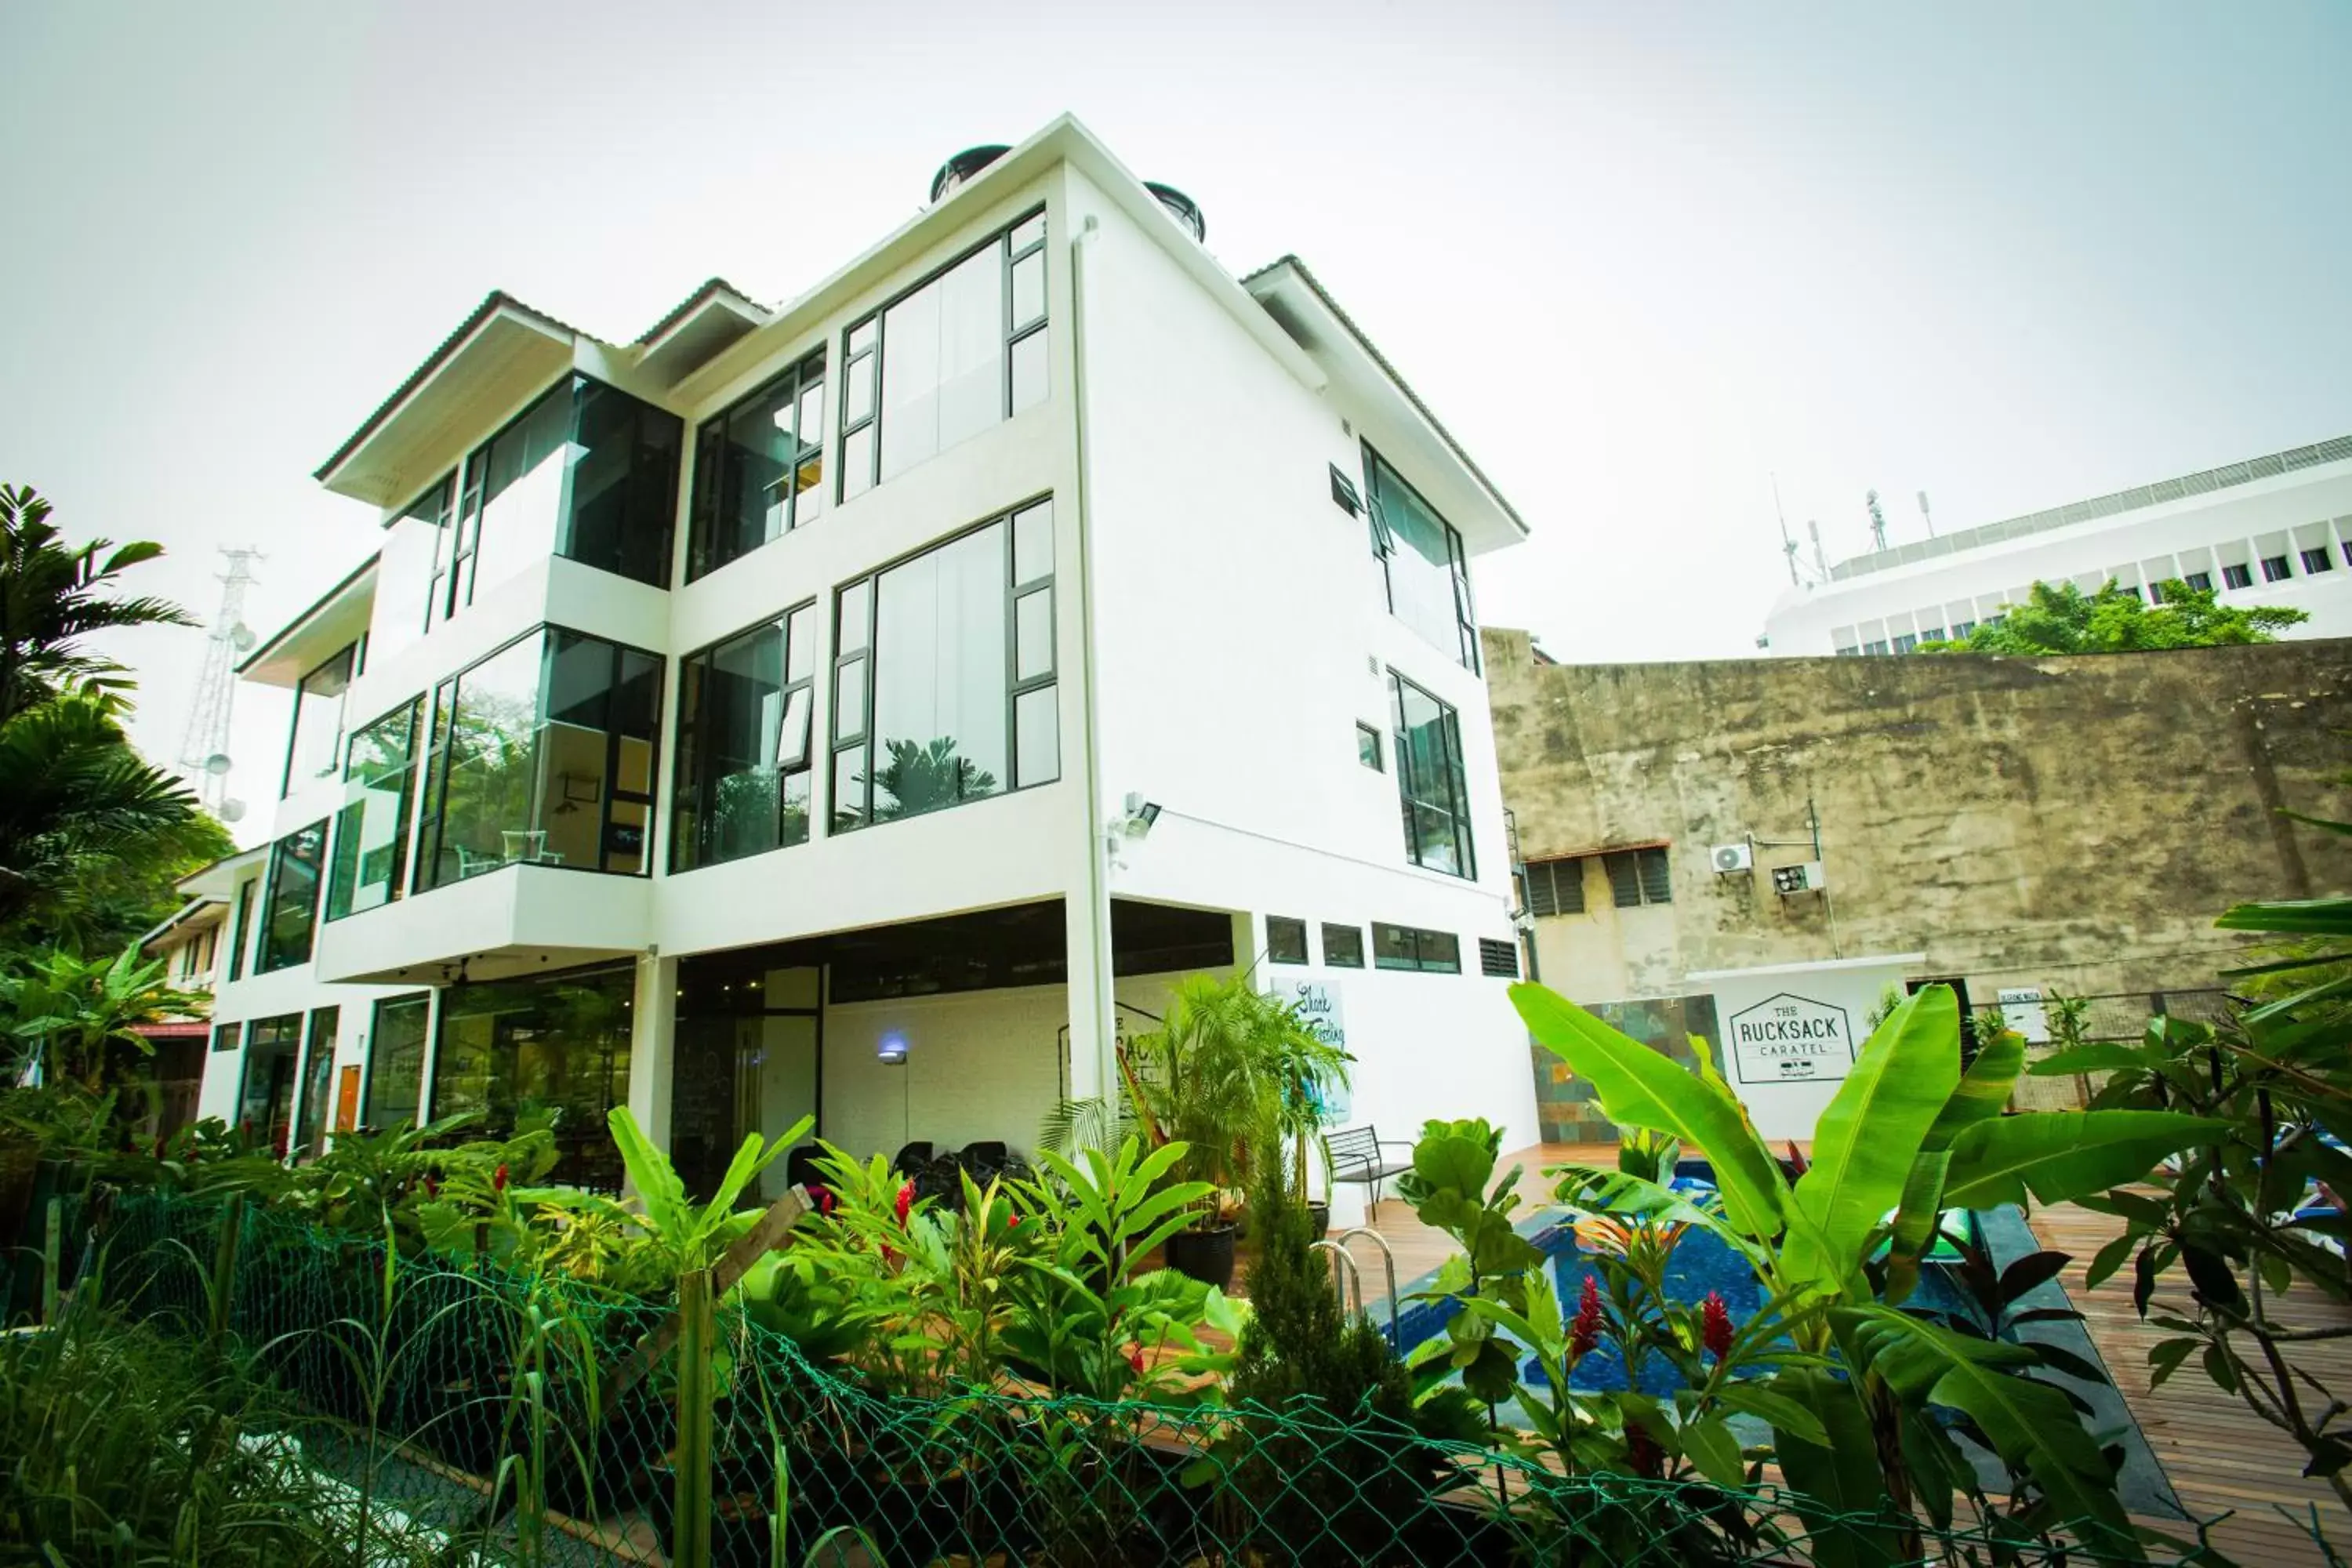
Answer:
(1292, 925)
(1556, 869)
(350, 650)
(685, 736)
(367, 1108)
(405, 836)
(1407, 776)
(1639, 859)
(840, 742)
(1421, 963)
(1368, 746)
(700, 525)
(432, 810)
(2284, 571)
(1012, 335)
(269, 959)
(1385, 546)
(1355, 933)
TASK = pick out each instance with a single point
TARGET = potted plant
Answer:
(1226, 1073)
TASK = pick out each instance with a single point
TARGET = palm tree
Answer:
(77, 801)
(52, 596)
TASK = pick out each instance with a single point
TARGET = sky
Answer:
(1642, 260)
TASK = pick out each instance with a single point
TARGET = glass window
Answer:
(960, 353)
(395, 1061)
(241, 926)
(543, 754)
(1428, 570)
(1286, 939)
(291, 908)
(407, 581)
(759, 469)
(515, 1050)
(954, 696)
(2274, 569)
(1368, 746)
(264, 1101)
(2237, 576)
(743, 754)
(227, 1036)
(586, 472)
(1430, 783)
(1343, 946)
(1404, 947)
(316, 745)
(371, 829)
(318, 1077)
(2318, 560)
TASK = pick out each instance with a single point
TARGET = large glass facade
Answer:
(758, 469)
(517, 1050)
(395, 1061)
(291, 910)
(371, 829)
(944, 686)
(318, 1079)
(543, 754)
(1428, 570)
(744, 755)
(264, 1101)
(241, 928)
(586, 472)
(1434, 792)
(315, 746)
(967, 350)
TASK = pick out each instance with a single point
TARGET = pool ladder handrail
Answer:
(1340, 1251)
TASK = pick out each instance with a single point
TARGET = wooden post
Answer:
(762, 1237)
(53, 1223)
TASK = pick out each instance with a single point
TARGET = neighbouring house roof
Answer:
(214, 883)
(184, 915)
(173, 1029)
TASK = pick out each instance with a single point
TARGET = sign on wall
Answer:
(1790, 1038)
(1320, 1006)
(2022, 1010)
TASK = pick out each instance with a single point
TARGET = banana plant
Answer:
(689, 1238)
(1908, 1135)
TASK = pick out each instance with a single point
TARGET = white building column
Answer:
(653, 1036)
(1094, 1022)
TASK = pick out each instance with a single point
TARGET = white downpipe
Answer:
(1101, 997)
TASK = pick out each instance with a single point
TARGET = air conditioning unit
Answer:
(1803, 877)
(1732, 857)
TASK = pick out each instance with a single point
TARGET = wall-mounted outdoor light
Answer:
(892, 1048)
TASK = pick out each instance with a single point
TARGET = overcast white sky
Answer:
(1639, 258)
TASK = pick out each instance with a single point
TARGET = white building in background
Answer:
(2274, 529)
(870, 706)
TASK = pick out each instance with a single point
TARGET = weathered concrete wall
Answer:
(2067, 822)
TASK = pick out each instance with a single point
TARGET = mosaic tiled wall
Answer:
(1565, 1108)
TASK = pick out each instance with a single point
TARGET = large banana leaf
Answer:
(1984, 1089)
(2062, 1154)
(1983, 1093)
(2307, 917)
(2032, 1426)
(1837, 1479)
(1639, 1088)
(1869, 1134)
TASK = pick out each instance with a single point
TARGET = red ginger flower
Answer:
(1134, 1359)
(824, 1200)
(1584, 1330)
(498, 1178)
(1714, 1325)
(906, 1201)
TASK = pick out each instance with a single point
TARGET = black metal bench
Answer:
(1356, 1157)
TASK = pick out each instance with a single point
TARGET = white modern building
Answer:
(870, 706)
(2273, 530)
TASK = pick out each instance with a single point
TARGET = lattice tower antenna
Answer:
(1878, 521)
(204, 751)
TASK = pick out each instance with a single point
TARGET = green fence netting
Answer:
(465, 1396)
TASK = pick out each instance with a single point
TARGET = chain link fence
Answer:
(474, 1407)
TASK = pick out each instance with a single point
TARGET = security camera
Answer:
(1140, 814)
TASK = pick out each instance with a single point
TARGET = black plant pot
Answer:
(1205, 1255)
(1319, 1220)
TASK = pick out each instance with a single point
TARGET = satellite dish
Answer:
(217, 764)
(242, 636)
(232, 811)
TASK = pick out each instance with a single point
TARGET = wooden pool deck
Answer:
(2218, 1457)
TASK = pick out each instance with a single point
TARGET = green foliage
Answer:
(2061, 618)
(1448, 1188)
(1905, 1135)
(90, 836)
(66, 1011)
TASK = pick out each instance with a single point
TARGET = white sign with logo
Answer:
(2020, 1009)
(1321, 1008)
(1790, 1032)
(1789, 1038)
